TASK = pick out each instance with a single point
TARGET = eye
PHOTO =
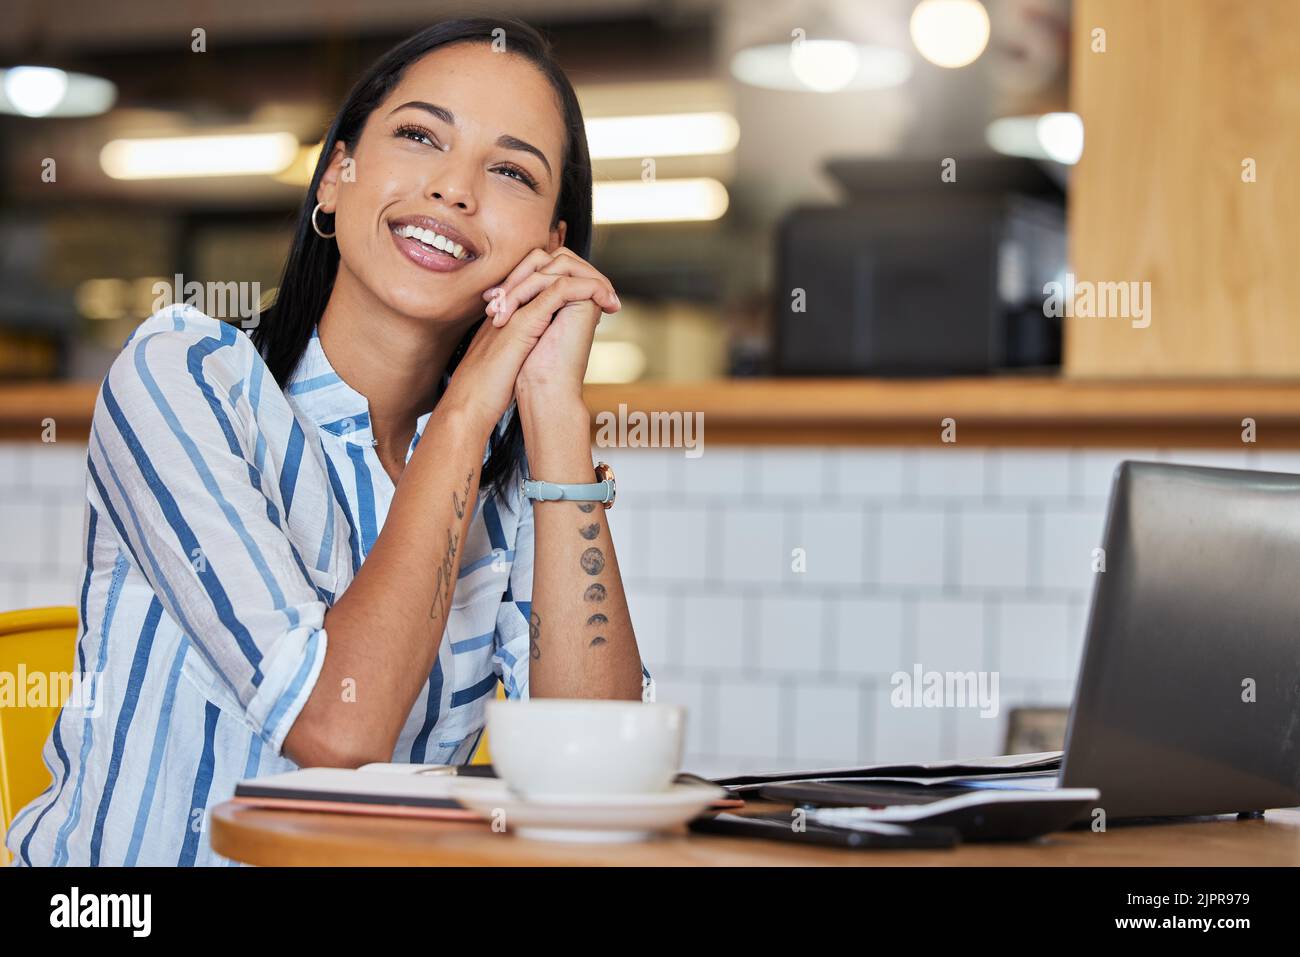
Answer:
(518, 173)
(417, 134)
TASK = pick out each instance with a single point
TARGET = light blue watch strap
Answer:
(554, 492)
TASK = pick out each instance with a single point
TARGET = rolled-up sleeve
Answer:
(171, 462)
(512, 637)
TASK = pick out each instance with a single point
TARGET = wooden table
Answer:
(271, 837)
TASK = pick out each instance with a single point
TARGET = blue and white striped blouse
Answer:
(223, 517)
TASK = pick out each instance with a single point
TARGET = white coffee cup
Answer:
(552, 747)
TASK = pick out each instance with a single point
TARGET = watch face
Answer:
(606, 474)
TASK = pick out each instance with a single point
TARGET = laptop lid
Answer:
(1188, 698)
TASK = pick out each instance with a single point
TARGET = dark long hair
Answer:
(309, 270)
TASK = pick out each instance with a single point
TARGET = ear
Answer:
(556, 239)
(327, 191)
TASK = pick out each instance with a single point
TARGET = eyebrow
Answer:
(505, 140)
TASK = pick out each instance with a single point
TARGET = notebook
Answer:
(393, 790)
(409, 790)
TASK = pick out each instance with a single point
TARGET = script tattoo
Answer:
(459, 503)
(593, 561)
(446, 578)
(595, 592)
(534, 633)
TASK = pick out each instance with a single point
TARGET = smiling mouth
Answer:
(433, 241)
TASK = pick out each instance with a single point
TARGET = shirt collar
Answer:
(320, 393)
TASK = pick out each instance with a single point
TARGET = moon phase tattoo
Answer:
(592, 561)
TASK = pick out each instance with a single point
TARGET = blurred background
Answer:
(707, 133)
(834, 225)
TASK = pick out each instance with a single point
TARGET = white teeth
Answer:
(435, 240)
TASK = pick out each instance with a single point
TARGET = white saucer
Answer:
(588, 818)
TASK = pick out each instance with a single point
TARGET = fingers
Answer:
(535, 315)
(534, 261)
(523, 284)
(504, 307)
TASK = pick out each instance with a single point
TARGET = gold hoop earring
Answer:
(319, 232)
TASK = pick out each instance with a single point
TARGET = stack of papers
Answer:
(1045, 764)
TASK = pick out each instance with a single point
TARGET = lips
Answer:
(432, 244)
(436, 235)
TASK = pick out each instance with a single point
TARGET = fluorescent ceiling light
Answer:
(659, 201)
(303, 167)
(1061, 135)
(615, 362)
(41, 91)
(950, 33)
(240, 154)
(1052, 136)
(670, 134)
(822, 66)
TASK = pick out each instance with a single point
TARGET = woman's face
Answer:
(467, 147)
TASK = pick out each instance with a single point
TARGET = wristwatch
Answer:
(601, 491)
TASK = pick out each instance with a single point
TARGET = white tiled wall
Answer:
(955, 559)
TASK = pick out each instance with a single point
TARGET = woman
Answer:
(312, 547)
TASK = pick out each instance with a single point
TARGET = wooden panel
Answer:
(1186, 90)
(1022, 411)
(988, 411)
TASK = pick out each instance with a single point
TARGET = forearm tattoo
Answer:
(459, 504)
(445, 582)
(593, 563)
(534, 633)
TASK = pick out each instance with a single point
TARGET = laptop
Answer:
(1188, 698)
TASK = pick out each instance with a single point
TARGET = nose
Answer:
(453, 185)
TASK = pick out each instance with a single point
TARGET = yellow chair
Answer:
(45, 640)
(39, 640)
(483, 755)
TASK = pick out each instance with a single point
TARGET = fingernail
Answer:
(617, 304)
(491, 292)
(491, 307)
